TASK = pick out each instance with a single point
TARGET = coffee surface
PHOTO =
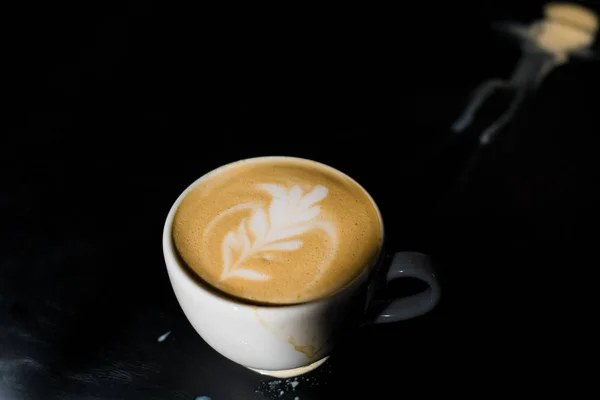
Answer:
(277, 230)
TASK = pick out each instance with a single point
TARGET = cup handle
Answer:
(410, 265)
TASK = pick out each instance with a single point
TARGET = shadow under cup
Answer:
(279, 340)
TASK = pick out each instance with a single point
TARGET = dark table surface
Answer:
(116, 108)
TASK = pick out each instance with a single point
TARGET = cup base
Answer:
(290, 373)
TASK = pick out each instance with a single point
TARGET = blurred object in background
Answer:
(566, 31)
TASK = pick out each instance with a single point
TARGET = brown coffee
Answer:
(277, 230)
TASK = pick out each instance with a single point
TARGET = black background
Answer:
(114, 108)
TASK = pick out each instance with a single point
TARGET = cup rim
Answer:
(169, 249)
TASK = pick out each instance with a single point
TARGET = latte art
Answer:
(290, 214)
(277, 230)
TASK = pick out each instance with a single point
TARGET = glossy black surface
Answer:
(115, 109)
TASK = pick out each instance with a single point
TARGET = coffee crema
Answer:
(277, 230)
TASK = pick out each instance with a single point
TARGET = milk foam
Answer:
(291, 213)
(277, 232)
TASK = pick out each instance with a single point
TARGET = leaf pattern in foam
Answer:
(242, 237)
(316, 195)
(248, 274)
(305, 216)
(229, 243)
(258, 224)
(285, 246)
(295, 195)
(290, 214)
(274, 236)
(277, 211)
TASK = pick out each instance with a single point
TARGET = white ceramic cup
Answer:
(289, 340)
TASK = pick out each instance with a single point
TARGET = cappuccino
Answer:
(277, 230)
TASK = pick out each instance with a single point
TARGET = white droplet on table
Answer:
(162, 337)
